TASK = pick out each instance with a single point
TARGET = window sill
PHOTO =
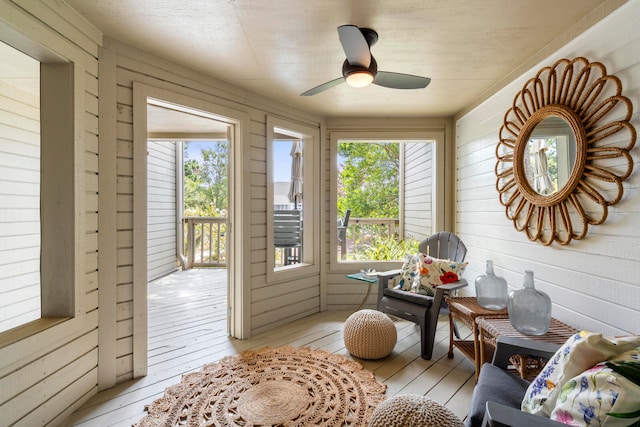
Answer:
(28, 329)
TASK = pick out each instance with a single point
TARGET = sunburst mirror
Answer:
(564, 151)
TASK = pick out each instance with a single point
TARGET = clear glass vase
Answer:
(491, 290)
(529, 308)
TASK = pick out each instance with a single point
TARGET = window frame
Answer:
(438, 138)
(310, 264)
(62, 198)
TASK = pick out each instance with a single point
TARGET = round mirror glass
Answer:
(550, 155)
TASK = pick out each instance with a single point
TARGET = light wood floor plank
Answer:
(187, 328)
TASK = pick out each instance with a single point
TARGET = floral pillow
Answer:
(434, 272)
(408, 272)
(589, 398)
(577, 354)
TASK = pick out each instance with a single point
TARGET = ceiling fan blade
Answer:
(323, 87)
(355, 46)
(400, 81)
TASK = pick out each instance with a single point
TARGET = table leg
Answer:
(450, 354)
(483, 354)
(476, 349)
(365, 296)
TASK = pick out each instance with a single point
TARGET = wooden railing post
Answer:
(191, 242)
(206, 256)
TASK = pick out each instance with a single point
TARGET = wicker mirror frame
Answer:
(581, 94)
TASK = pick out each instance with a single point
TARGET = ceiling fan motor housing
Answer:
(371, 36)
(350, 69)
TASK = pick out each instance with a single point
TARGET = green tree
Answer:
(368, 179)
(206, 181)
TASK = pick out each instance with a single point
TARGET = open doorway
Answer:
(187, 191)
(187, 205)
(161, 116)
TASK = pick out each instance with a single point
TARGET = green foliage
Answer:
(388, 249)
(206, 181)
(368, 179)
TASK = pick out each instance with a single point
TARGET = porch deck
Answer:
(187, 328)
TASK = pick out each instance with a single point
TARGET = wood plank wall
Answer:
(161, 209)
(272, 304)
(593, 283)
(418, 190)
(44, 376)
(20, 184)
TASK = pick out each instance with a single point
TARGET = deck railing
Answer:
(361, 233)
(206, 241)
(206, 238)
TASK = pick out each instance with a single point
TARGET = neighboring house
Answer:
(281, 195)
(92, 335)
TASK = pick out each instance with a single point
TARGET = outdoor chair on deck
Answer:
(419, 308)
(287, 234)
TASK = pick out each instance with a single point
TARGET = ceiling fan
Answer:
(361, 69)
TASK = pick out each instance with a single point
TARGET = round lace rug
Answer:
(286, 386)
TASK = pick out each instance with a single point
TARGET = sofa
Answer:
(590, 380)
(498, 394)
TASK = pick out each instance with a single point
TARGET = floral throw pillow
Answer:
(588, 398)
(577, 354)
(434, 272)
(408, 272)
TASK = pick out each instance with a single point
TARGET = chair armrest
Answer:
(454, 285)
(446, 289)
(383, 281)
(389, 274)
(384, 276)
(508, 346)
(498, 415)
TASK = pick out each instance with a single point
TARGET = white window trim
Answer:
(310, 264)
(65, 316)
(345, 267)
(239, 215)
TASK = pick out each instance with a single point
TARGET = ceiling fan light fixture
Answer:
(359, 78)
(360, 69)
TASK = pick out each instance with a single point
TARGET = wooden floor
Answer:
(187, 328)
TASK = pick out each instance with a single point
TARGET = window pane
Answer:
(19, 188)
(288, 206)
(385, 192)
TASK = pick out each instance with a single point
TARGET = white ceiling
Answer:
(281, 48)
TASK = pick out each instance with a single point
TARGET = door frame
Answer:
(238, 295)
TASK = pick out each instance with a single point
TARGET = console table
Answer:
(467, 310)
(489, 329)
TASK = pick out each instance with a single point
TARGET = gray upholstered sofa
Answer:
(497, 396)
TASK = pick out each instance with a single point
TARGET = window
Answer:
(384, 196)
(293, 194)
(37, 197)
(19, 188)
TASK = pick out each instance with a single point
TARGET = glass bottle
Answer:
(529, 308)
(491, 290)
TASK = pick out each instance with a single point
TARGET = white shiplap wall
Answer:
(594, 283)
(418, 190)
(271, 304)
(20, 184)
(44, 376)
(161, 209)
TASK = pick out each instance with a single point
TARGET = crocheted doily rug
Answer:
(286, 386)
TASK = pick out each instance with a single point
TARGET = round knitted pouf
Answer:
(412, 410)
(369, 334)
